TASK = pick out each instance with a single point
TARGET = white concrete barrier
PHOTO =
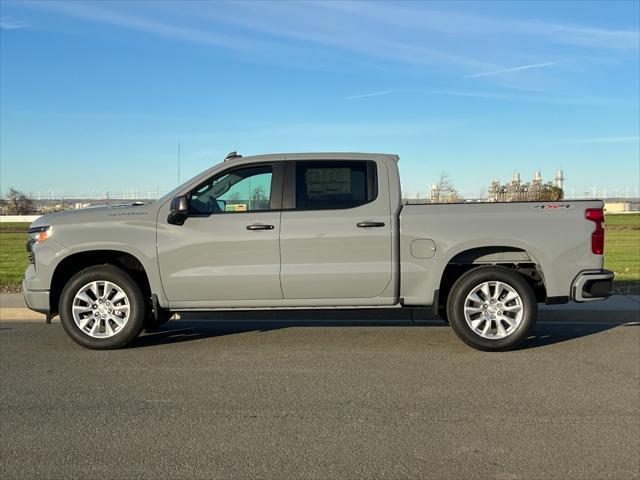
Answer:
(18, 218)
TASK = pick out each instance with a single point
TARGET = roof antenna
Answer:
(231, 155)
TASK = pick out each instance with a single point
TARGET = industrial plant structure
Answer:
(516, 190)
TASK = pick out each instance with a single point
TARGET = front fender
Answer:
(136, 238)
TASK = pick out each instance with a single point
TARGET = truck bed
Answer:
(554, 236)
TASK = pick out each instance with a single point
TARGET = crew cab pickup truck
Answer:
(318, 230)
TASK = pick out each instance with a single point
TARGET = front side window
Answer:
(334, 184)
(241, 190)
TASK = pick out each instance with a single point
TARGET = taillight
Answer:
(597, 237)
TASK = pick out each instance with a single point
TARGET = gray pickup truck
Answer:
(319, 230)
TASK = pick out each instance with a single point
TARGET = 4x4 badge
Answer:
(553, 206)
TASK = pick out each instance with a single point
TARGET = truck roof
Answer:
(315, 156)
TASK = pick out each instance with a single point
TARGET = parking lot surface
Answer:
(292, 398)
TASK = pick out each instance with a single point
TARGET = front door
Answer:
(228, 248)
(336, 240)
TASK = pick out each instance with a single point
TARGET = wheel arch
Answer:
(74, 263)
(517, 258)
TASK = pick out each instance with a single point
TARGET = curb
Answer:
(20, 314)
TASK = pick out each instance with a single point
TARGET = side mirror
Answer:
(179, 210)
(180, 204)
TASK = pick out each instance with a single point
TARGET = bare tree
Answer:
(445, 192)
(19, 203)
(445, 184)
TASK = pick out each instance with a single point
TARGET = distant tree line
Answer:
(17, 203)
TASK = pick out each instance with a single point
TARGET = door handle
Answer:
(370, 224)
(260, 226)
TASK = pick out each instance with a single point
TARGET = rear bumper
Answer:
(592, 285)
(37, 300)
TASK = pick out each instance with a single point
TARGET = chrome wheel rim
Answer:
(101, 309)
(493, 310)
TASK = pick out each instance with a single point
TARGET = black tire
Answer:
(108, 273)
(464, 286)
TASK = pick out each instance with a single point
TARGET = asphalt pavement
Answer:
(321, 395)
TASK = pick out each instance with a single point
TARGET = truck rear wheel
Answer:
(101, 308)
(492, 308)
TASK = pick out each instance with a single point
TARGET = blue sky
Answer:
(96, 96)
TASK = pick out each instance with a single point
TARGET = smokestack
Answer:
(560, 179)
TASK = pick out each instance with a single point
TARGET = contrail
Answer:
(514, 69)
(365, 95)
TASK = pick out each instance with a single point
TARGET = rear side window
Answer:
(324, 185)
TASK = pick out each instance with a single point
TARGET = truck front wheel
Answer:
(492, 308)
(101, 307)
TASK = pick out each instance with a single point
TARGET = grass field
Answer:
(622, 252)
(13, 255)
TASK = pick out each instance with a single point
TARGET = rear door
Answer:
(335, 237)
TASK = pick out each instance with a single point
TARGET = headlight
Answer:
(39, 234)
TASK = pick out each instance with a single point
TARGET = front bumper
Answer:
(36, 297)
(592, 285)
(37, 300)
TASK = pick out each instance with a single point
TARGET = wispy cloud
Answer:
(512, 69)
(93, 12)
(326, 28)
(627, 139)
(510, 97)
(415, 36)
(458, 23)
(584, 36)
(9, 23)
(281, 21)
(372, 94)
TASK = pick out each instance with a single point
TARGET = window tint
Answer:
(241, 190)
(334, 184)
